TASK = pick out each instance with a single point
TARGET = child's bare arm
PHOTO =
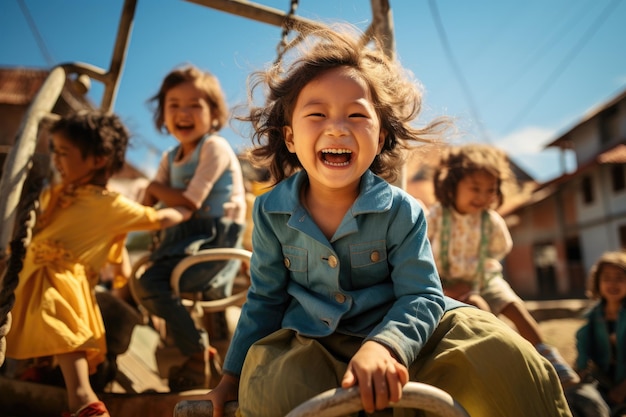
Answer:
(147, 199)
(226, 390)
(378, 374)
(171, 197)
(171, 216)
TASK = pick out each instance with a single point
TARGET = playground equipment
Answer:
(19, 200)
(340, 402)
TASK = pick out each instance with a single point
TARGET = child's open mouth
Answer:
(336, 157)
(184, 128)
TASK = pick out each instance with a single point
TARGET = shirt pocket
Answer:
(369, 263)
(296, 261)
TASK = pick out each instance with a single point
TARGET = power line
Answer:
(33, 28)
(564, 63)
(496, 33)
(50, 61)
(534, 58)
(434, 11)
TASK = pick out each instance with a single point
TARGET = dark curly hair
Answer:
(97, 134)
(458, 162)
(396, 96)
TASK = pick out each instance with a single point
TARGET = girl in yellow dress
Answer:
(81, 226)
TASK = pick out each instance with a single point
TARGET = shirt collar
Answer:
(375, 195)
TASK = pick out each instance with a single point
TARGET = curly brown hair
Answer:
(615, 258)
(98, 134)
(203, 80)
(459, 161)
(396, 95)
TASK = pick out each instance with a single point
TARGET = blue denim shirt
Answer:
(593, 343)
(375, 278)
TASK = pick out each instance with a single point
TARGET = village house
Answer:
(567, 223)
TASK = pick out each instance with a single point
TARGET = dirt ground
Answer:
(560, 333)
(558, 322)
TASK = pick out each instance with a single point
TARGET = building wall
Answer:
(590, 211)
(519, 270)
(560, 227)
(10, 122)
(616, 200)
(618, 124)
(10, 118)
(561, 216)
(539, 265)
(568, 209)
(599, 221)
(594, 241)
(536, 225)
(586, 139)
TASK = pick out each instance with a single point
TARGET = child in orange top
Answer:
(81, 226)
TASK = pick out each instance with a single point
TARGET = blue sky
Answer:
(514, 73)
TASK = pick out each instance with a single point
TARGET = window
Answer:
(545, 258)
(618, 177)
(587, 189)
(609, 125)
(574, 266)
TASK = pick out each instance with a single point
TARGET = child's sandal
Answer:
(95, 409)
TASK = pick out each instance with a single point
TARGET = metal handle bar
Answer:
(340, 402)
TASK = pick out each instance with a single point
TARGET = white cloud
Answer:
(530, 139)
(526, 148)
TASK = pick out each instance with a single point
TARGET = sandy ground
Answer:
(559, 320)
(561, 334)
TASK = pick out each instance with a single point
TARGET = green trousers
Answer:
(479, 360)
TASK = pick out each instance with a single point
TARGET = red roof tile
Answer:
(617, 155)
(18, 86)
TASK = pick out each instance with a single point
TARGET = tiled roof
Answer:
(616, 155)
(593, 112)
(18, 86)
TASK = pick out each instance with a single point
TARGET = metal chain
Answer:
(281, 48)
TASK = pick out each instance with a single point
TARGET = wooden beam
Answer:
(382, 24)
(258, 12)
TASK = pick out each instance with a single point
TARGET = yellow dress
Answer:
(55, 310)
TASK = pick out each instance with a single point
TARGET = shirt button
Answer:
(340, 298)
(332, 261)
(375, 256)
(287, 262)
